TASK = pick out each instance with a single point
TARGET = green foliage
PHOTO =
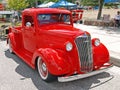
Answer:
(89, 2)
(21, 4)
(17, 4)
(111, 5)
(71, 1)
(52, 0)
(32, 3)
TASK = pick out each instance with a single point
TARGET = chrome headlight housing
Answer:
(69, 46)
(97, 42)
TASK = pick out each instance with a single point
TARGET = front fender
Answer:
(100, 55)
(56, 63)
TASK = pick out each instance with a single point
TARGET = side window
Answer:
(44, 18)
(65, 18)
(28, 19)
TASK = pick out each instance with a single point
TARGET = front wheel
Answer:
(43, 70)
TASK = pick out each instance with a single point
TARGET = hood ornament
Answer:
(85, 34)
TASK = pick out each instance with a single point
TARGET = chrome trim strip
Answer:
(80, 76)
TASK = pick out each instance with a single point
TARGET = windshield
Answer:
(53, 18)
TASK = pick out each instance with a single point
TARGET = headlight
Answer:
(97, 42)
(69, 46)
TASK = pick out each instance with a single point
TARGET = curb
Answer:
(115, 58)
(115, 61)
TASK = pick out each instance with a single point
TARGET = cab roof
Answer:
(44, 10)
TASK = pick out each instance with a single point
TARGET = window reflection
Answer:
(53, 18)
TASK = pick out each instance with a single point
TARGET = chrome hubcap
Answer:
(42, 68)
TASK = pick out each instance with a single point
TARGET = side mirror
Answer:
(28, 24)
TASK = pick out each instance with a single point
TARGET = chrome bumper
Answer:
(80, 76)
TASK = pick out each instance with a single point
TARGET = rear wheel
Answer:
(43, 70)
(10, 46)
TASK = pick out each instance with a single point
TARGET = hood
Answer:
(56, 36)
(62, 30)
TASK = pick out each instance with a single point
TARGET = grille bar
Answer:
(84, 47)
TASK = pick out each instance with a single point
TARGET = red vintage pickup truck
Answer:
(48, 42)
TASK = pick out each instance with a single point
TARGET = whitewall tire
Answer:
(43, 70)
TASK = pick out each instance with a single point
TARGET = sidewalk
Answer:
(109, 36)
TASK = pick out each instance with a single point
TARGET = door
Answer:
(29, 34)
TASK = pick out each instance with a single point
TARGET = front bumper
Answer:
(80, 76)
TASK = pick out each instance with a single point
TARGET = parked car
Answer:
(48, 41)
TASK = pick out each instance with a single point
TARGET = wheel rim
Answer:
(10, 46)
(42, 68)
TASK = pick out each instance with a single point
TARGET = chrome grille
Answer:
(84, 47)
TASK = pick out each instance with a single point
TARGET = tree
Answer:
(17, 4)
(94, 3)
(58, 0)
(100, 8)
(89, 2)
(70, 1)
(34, 3)
(52, 0)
